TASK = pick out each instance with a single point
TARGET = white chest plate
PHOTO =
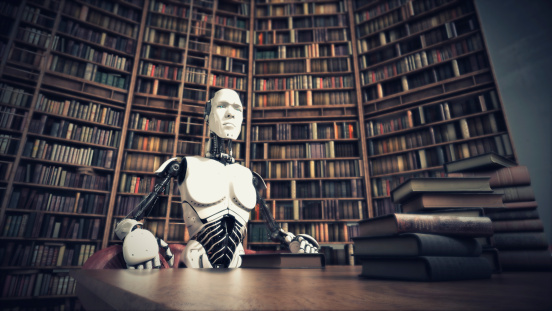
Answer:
(212, 190)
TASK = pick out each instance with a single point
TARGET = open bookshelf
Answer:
(313, 163)
(428, 92)
(343, 100)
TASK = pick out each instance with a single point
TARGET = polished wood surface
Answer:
(332, 288)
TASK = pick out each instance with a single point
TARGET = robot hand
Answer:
(302, 243)
(141, 247)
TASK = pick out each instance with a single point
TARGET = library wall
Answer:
(343, 101)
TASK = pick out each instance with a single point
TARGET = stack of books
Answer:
(518, 230)
(436, 238)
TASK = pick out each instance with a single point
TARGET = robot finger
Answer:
(303, 246)
(140, 267)
(131, 267)
(149, 265)
(156, 262)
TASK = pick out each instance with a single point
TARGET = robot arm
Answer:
(140, 246)
(302, 243)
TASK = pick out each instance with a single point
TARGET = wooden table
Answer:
(332, 288)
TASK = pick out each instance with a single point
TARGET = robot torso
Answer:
(212, 190)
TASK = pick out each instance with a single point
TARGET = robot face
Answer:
(226, 114)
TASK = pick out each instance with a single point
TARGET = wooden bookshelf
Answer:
(304, 72)
(343, 100)
(428, 91)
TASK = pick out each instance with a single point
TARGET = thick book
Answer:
(520, 240)
(520, 260)
(502, 177)
(516, 193)
(413, 223)
(465, 212)
(486, 161)
(426, 268)
(416, 186)
(283, 261)
(513, 214)
(417, 244)
(518, 225)
(456, 200)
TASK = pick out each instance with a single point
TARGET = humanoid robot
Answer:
(217, 197)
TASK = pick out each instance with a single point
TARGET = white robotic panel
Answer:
(213, 190)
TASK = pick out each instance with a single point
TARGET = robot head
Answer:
(224, 114)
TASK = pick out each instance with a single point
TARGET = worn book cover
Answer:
(426, 268)
(417, 244)
(418, 223)
(416, 186)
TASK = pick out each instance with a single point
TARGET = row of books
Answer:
(440, 19)
(87, 71)
(224, 81)
(156, 87)
(89, 53)
(295, 22)
(230, 51)
(309, 169)
(286, 9)
(437, 156)
(40, 200)
(322, 232)
(33, 284)
(474, 127)
(232, 21)
(320, 209)
(298, 150)
(161, 53)
(143, 162)
(121, 9)
(160, 71)
(153, 35)
(35, 36)
(14, 96)
(315, 130)
(9, 144)
(147, 142)
(432, 113)
(88, 156)
(43, 225)
(93, 112)
(302, 82)
(373, 11)
(419, 60)
(47, 254)
(168, 22)
(89, 14)
(89, 33)
(314, 189)
(228, 64)
(131, 183)
(140, 121)
(312, 50)
(230, 34)
(52, 175)
(74, 131)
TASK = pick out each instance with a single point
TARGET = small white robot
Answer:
(217, 197)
